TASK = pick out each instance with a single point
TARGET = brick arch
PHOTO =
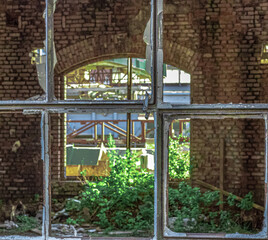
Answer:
(181, 57)
(98, 48)
(116, 46)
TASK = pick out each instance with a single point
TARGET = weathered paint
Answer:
(50, 8)
(46, 184)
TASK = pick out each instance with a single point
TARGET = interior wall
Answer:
(217, 42)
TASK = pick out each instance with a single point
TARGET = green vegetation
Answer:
(26, 223)
(124, 200)
(179, 158)
(199, 212)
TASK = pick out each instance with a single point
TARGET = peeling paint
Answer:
(169, 233)
(31, 112)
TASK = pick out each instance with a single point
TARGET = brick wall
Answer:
(21, 168)
(243, 144)
(218, 42)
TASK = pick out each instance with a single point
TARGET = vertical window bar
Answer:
(153, 49)
(158, 173)
(49, 50)
(158, 52)
(46, 174)
(157, 78)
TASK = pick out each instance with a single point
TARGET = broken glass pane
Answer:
(114, 194)
(216, 175)
(21, 170)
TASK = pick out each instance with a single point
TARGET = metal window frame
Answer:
(156, 106)
(168, 118)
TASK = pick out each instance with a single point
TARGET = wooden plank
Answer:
(211, 187)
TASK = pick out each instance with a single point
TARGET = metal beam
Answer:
(46, 174)
(158, 174)
(50, 50)
(17, 104)
(157, 78)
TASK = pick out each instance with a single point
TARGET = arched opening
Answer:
(113, 79)
(117, 79)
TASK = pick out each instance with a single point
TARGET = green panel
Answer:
(137, 64)
(82, 156)
(122, 61)
(176, 126)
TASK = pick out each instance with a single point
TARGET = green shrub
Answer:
(26, 223)
(123, 200)
(179, 158)
(201, 211)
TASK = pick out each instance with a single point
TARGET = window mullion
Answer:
(49, 47)
(45, 144)
(157, 77)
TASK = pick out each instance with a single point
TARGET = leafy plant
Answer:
(179, 158)
(77, 221)
(231, 200)
(36, 197)
(26, 223)
(247, 202)
(123, 200)
(198, 212)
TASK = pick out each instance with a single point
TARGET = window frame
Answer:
(168, 118)
(155, 106)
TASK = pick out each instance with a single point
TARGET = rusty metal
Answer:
(109, 124)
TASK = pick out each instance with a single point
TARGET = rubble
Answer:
(10, 225)
(62, 213)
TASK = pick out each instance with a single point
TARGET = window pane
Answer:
(96, 43)
(226, 63)
(21, 169)
(109, 190)
(216, 176)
